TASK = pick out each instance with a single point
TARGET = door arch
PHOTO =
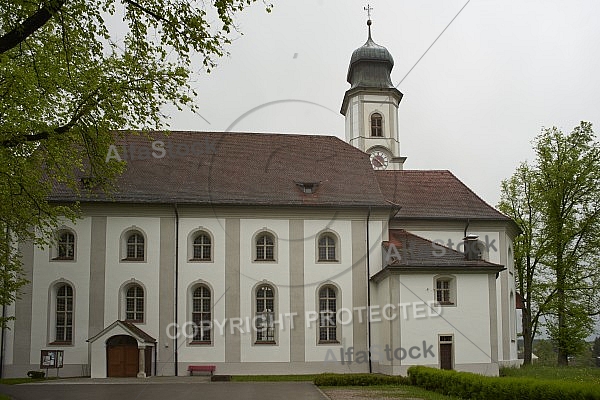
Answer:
(122, 356)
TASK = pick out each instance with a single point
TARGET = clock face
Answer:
(379, 160)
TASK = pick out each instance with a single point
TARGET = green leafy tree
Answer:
(556, 202)
(519, 201)
(71, 73)
(569, 173)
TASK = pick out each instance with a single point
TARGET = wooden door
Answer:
(122, 357)
(446, 355)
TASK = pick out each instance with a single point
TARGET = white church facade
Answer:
(252, 253)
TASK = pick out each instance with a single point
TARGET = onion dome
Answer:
(370, 65)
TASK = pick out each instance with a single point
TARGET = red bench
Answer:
(202, 368)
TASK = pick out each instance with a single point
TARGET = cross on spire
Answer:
(368, 9)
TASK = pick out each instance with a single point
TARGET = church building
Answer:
(260, 253)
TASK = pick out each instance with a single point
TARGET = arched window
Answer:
(376, 125)
(202, 247)
(64, 314)
(265, 247)
(134, 304)
(135, 247)
(66, 246)
(445, 291)
(201, 314)
(327, 315)
(327, 244)
(265, 314)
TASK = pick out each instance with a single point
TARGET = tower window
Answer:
(376, 125)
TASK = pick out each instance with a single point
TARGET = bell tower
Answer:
(371, 105)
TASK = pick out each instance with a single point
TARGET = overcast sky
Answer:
(473, 104)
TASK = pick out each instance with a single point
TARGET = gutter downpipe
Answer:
(368, 255)
(176, 355)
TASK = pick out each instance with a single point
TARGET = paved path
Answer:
(184, 390)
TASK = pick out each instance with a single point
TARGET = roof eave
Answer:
(353, 91)
(433, 268)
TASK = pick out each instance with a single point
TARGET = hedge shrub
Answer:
(472, 386)
(359, 380)
(36, 374)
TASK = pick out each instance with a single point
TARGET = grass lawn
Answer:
(16, 381)
(570, 374)
(382, 392)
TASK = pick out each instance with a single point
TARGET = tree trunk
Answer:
(563, 359)
(527, 336)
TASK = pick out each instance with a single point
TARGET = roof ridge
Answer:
(297, 134)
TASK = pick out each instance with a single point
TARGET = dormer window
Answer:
(308, 187)
(376, 125)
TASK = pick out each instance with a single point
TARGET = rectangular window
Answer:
(443, 292)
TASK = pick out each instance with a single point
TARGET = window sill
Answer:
(60, 344)
(63, 259)
(201, 343)
(201, 260)
(329, 342)
(328, 261)
(133, 260)
(266, 342)
(445, 304)
(134, 321)
(265, 260)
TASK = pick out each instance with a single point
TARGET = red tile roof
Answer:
(226, 168)
(139, 332)
(243, 169)
(433, 194)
